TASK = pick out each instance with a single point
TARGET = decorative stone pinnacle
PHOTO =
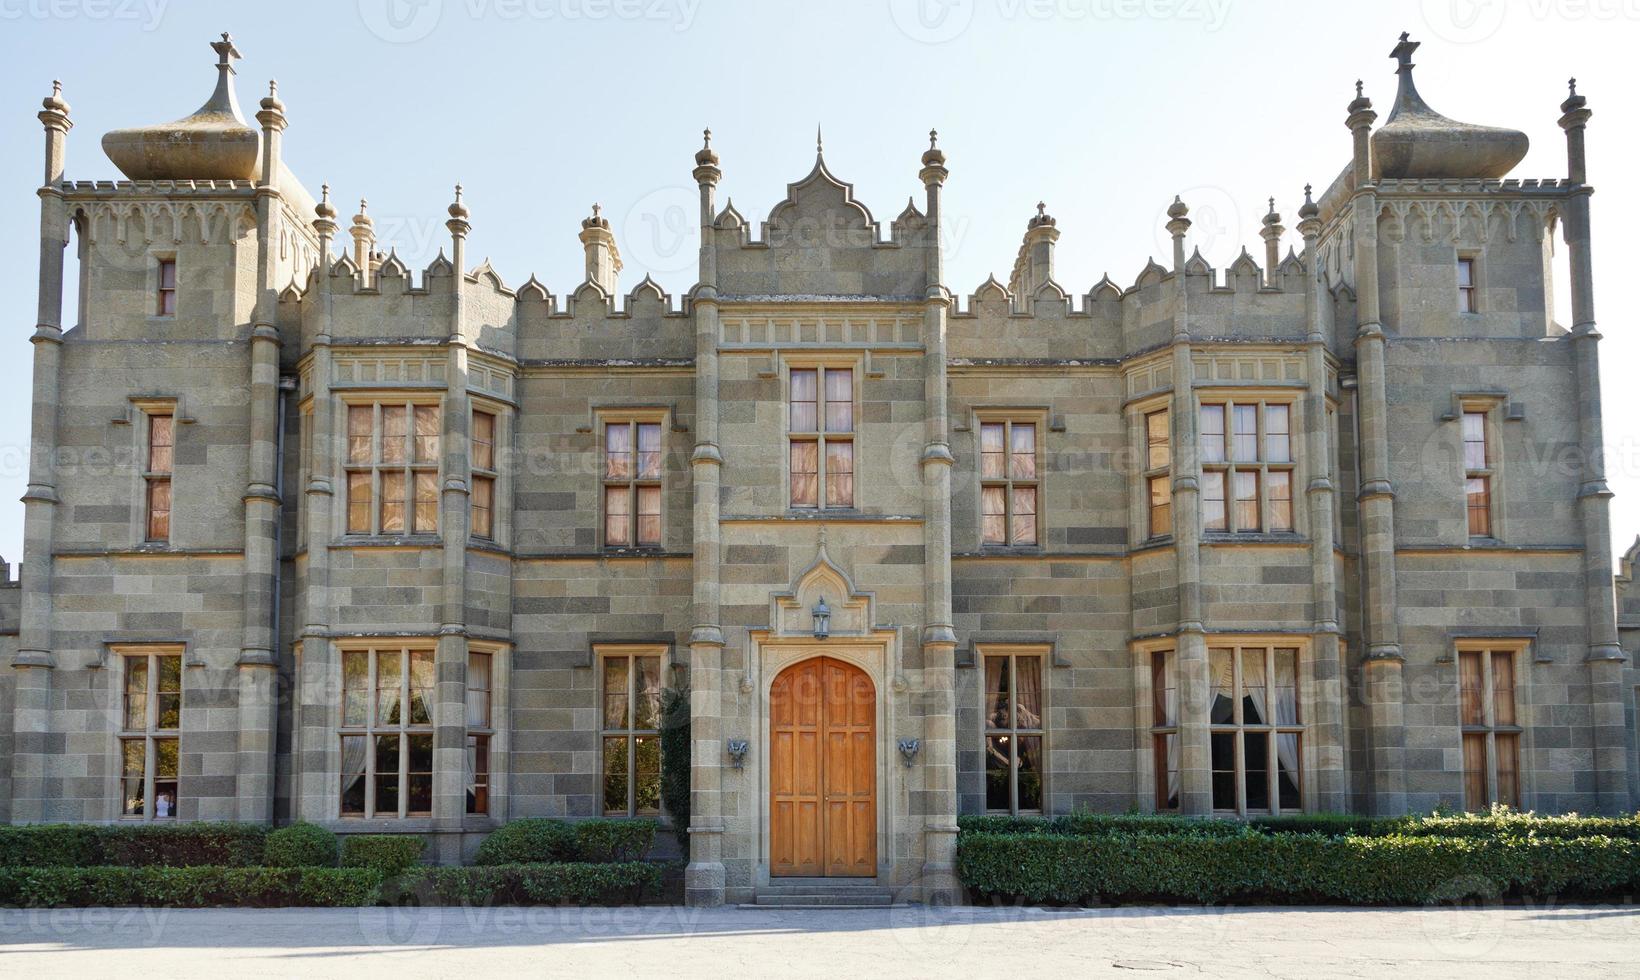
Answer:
(707, 133)
(705, 156)
(458, 210)
(819, 142)
(1359, 85)
(934, 135)
(225, 52)
(1308, 210)
(54, 103)
(323, 208)
(596, 209)
(1573, 101)
(1178, 208)
(1571, 83)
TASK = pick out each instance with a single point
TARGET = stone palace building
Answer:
(312, 536)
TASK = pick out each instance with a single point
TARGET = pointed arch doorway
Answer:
(822, 770)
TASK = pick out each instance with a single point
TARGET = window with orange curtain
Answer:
(392, 467)
(1010, 483)
(632, 483)
(1247, 462)
(1490, 729)
(820, 437)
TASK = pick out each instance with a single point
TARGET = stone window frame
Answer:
(144, 410)
(1305, 704)
(633, 417)
(1515, 650)
(1008, 417)
(1043, 653)
(150, 733)
(1468, 297)
(377, 398)
(497, 733)
(1489, 408)
(1230, 466)
(157, 289)
(1146, 729)
(371, 729)
(601, 653)
(820, 363)
(496, 474)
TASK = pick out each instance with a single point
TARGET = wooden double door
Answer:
(823, 771)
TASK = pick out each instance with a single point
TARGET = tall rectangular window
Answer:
(480, 729)
(1491, 730)
(1467, 286)
(631, 726)
(632, 484)
(1010, 486)
(157, 476)
(1255, 729)
(1158, 479)
(1477, 468)
(820, 437)
(1252, 461)
(392, 468)
(484, 474)
(1015, 733)
(165, 292)
(387, 732)
(1164, 727)
(150, 730)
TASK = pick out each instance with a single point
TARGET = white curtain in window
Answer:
(1171, 697)
(1253, 679)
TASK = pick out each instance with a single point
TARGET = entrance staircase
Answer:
(824, 893)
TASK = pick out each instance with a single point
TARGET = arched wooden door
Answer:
(823, 771)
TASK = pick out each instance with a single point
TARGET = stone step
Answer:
(850, 898)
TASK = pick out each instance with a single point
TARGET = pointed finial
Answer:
(1041, 208)
(458, 210)
(458, 193)
(54, 103)
(596, 209)
(1571, 84)
(225, 52)
(1272, 205)
(273, 88)
(324, 193)
(933, 138)
(57, 88)
(323, 208)
(705, 156)
(364, 205)
(819, 142)
(1359, 85)
(707, 133)
(1308, 210)
(1177, 209)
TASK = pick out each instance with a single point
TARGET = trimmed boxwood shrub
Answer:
(301, 845)
(145, 845)
(619, 883)
(601, 841)
(1499, 823)
(387, 853)
(1251, 866)
(532, 840)
(192, 887)
(540, 840)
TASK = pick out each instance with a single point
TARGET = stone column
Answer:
(1381, 673)
(939, 638)
(311, 742)
(258, 658)
(1327, 672)
(31, 712)
(704, 878)
(1190, 654)
(450, 659)
(1605, 656)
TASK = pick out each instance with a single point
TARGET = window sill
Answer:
(1261, 537)
(388, 541)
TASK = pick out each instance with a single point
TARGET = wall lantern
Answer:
(909, 747)
(822, 619)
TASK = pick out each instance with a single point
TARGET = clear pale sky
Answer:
(1104, 109)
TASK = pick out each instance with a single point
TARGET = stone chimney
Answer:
(1034, 265)
(603, 258)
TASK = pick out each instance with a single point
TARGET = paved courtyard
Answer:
(1581, 941)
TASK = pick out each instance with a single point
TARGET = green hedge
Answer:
(1500, 823)
(1252, 866)
(146, 845)
(387, 853)
(193, 887)
(301, 845)
(619, 883)
(540, 840)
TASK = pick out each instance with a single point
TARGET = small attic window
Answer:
(165, 293)
(1467, 285)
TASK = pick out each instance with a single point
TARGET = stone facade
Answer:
(1362, 342)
